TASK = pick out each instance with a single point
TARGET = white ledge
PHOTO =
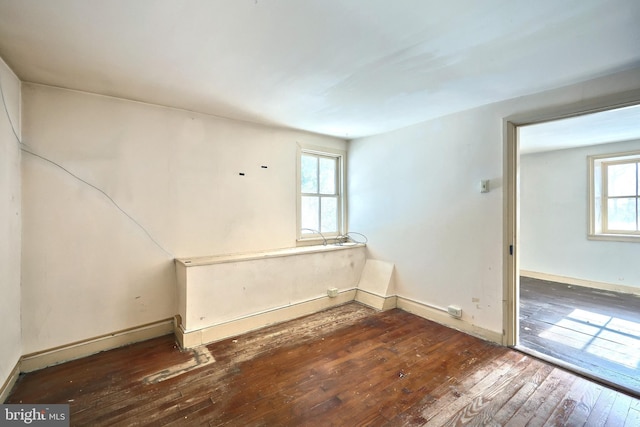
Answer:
(301, 250)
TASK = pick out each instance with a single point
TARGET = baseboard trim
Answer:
(626, 289)
(42, 359)
(190, 339)
(376, 301)
(10, 382)
(438, 316)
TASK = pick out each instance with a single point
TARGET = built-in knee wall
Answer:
(222, 296)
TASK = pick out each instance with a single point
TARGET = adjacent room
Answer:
(579, 299)
(278, 212)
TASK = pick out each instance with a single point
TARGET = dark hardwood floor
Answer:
(348, 366)
(595, 330)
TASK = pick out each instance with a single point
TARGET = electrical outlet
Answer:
(454, 311)
(332, 292)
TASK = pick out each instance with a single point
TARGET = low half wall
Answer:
(223, 296)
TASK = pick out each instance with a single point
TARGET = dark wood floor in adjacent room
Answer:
(595, 330)
(346, 366)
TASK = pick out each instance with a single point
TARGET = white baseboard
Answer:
(376, 301)
(9, 383)
(42, 359)
(438, 316)
(190, 339)
(626, 289)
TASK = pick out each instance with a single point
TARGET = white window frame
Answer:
(598, 229)
(341, 157)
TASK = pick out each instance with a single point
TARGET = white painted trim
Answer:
(239, 326)
(10, 382)
(613, 287)
(374, 300)
(42, 359)
(615, 237)
(511, 234)
(436, 315)
(511, 158)
(600, 231)
(596, 104)
(341, 175)
(275, 253)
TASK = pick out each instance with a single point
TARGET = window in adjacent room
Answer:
(320, 193)
(614, 196)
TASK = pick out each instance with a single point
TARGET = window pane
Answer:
(329, 215)
(597, 198)
(598, 224)
(597, 181)
(327, 176)
(309, 218)
(622, 214)
(622, 180)
(309, 174)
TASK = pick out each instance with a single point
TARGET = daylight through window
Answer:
(320, 194)
(615, 196)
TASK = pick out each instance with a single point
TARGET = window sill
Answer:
(275, 253)
(314, 241)
(615, 237)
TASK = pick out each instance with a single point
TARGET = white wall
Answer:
(415, 194)
(89, 269)
(10, 347)
(219, 291)
(554, 220)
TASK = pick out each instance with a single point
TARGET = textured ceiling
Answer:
(337, 67)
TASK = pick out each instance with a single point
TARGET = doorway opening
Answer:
(572, 299)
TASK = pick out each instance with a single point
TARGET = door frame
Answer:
(511, 192)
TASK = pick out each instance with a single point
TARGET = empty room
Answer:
(278, 212)
(578, 299)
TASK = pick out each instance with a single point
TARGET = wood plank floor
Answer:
(348, 366)
(597, 331)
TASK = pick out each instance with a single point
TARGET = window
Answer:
(320, 193)
(614, 196)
